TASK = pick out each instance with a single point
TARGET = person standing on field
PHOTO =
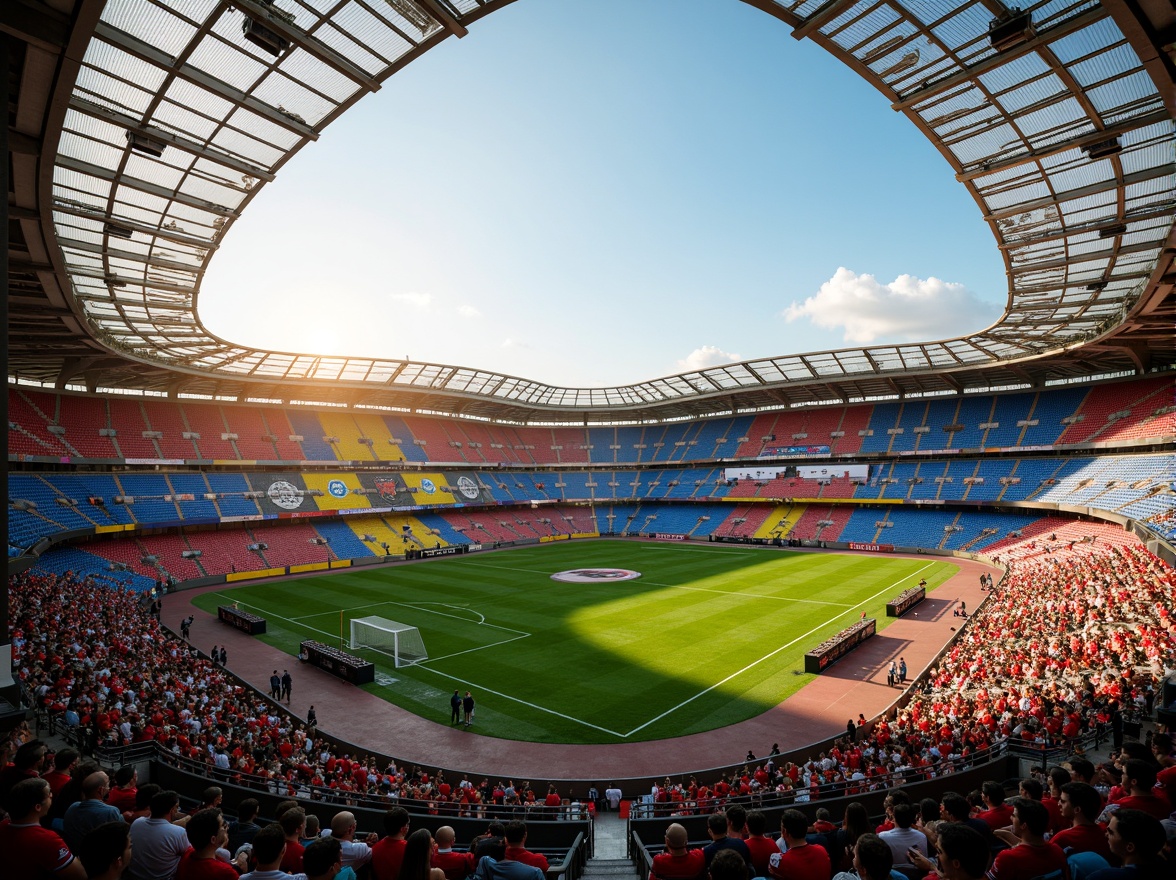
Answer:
(467, 706)
(455, 708)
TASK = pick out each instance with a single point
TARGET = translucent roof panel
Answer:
(183, 110)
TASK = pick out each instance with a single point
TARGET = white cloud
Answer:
(414, 300)
(468, 312)
(908, 308)
(706, 356)
(514, 343)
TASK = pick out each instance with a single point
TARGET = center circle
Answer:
(594, 575)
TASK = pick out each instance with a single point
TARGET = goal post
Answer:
(399, 640)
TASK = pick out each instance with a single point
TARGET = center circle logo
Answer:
(595, 575)
(429, 486)
(337, 488)
(468, 488)
(284, 495)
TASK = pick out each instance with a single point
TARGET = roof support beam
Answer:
(308, 43)
(440, 13)
(970, 73)
(823, 14)
(90, 247)
(1064, 262)
(181, 143)
(162, 192)
(1055, 149)
(146, 52)
(1060, 289)
(1081, 192)
(1030, 240)
(150, 231)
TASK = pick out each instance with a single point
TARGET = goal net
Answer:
(403, 643)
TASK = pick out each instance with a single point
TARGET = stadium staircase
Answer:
(600, 868)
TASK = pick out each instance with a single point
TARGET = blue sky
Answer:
(598, 192)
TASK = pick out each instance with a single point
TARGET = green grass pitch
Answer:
(709, 635)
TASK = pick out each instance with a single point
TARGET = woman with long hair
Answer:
(418, 858)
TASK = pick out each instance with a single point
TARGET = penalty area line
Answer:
(521, 702)
(771, 654)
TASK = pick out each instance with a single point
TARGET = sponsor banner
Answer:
(547, 539)
(936, 452)
(762, 472)
(282, 493)
(795, 450)
(872, 548)
(473, 548)
(388, 488)
(155, 461)
(365, 510)
(308, 566)
(666, 536)
(120, 527)
(333, 491)
(249, 575)
(466, 490)
(828, 471)
(926, 501)
(248, 517)
(442, 551)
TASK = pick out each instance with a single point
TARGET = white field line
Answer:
(521, 635)
(472, 650)
(746, 595)
(768, 656)
(481, 688)
(417, 608)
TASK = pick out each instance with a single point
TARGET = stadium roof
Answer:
(140, 130)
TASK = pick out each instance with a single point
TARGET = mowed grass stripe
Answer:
(611, 654)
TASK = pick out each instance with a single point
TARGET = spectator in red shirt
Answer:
(1166, 776)
(803, 860)
(762, 847)
(999, 814)
(26, 763)
(678, 862)
(293, 823)
(388, 853)
(63, 762)
(516, 850)
(126, 780)
(1080, 805)
(30, 850)
(456, 864)
(1139, 778)
(207, 832)
(1029, 855)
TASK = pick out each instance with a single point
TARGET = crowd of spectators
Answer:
(1040, 833)
(1064, 645)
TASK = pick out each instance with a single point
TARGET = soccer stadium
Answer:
(852, 580)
